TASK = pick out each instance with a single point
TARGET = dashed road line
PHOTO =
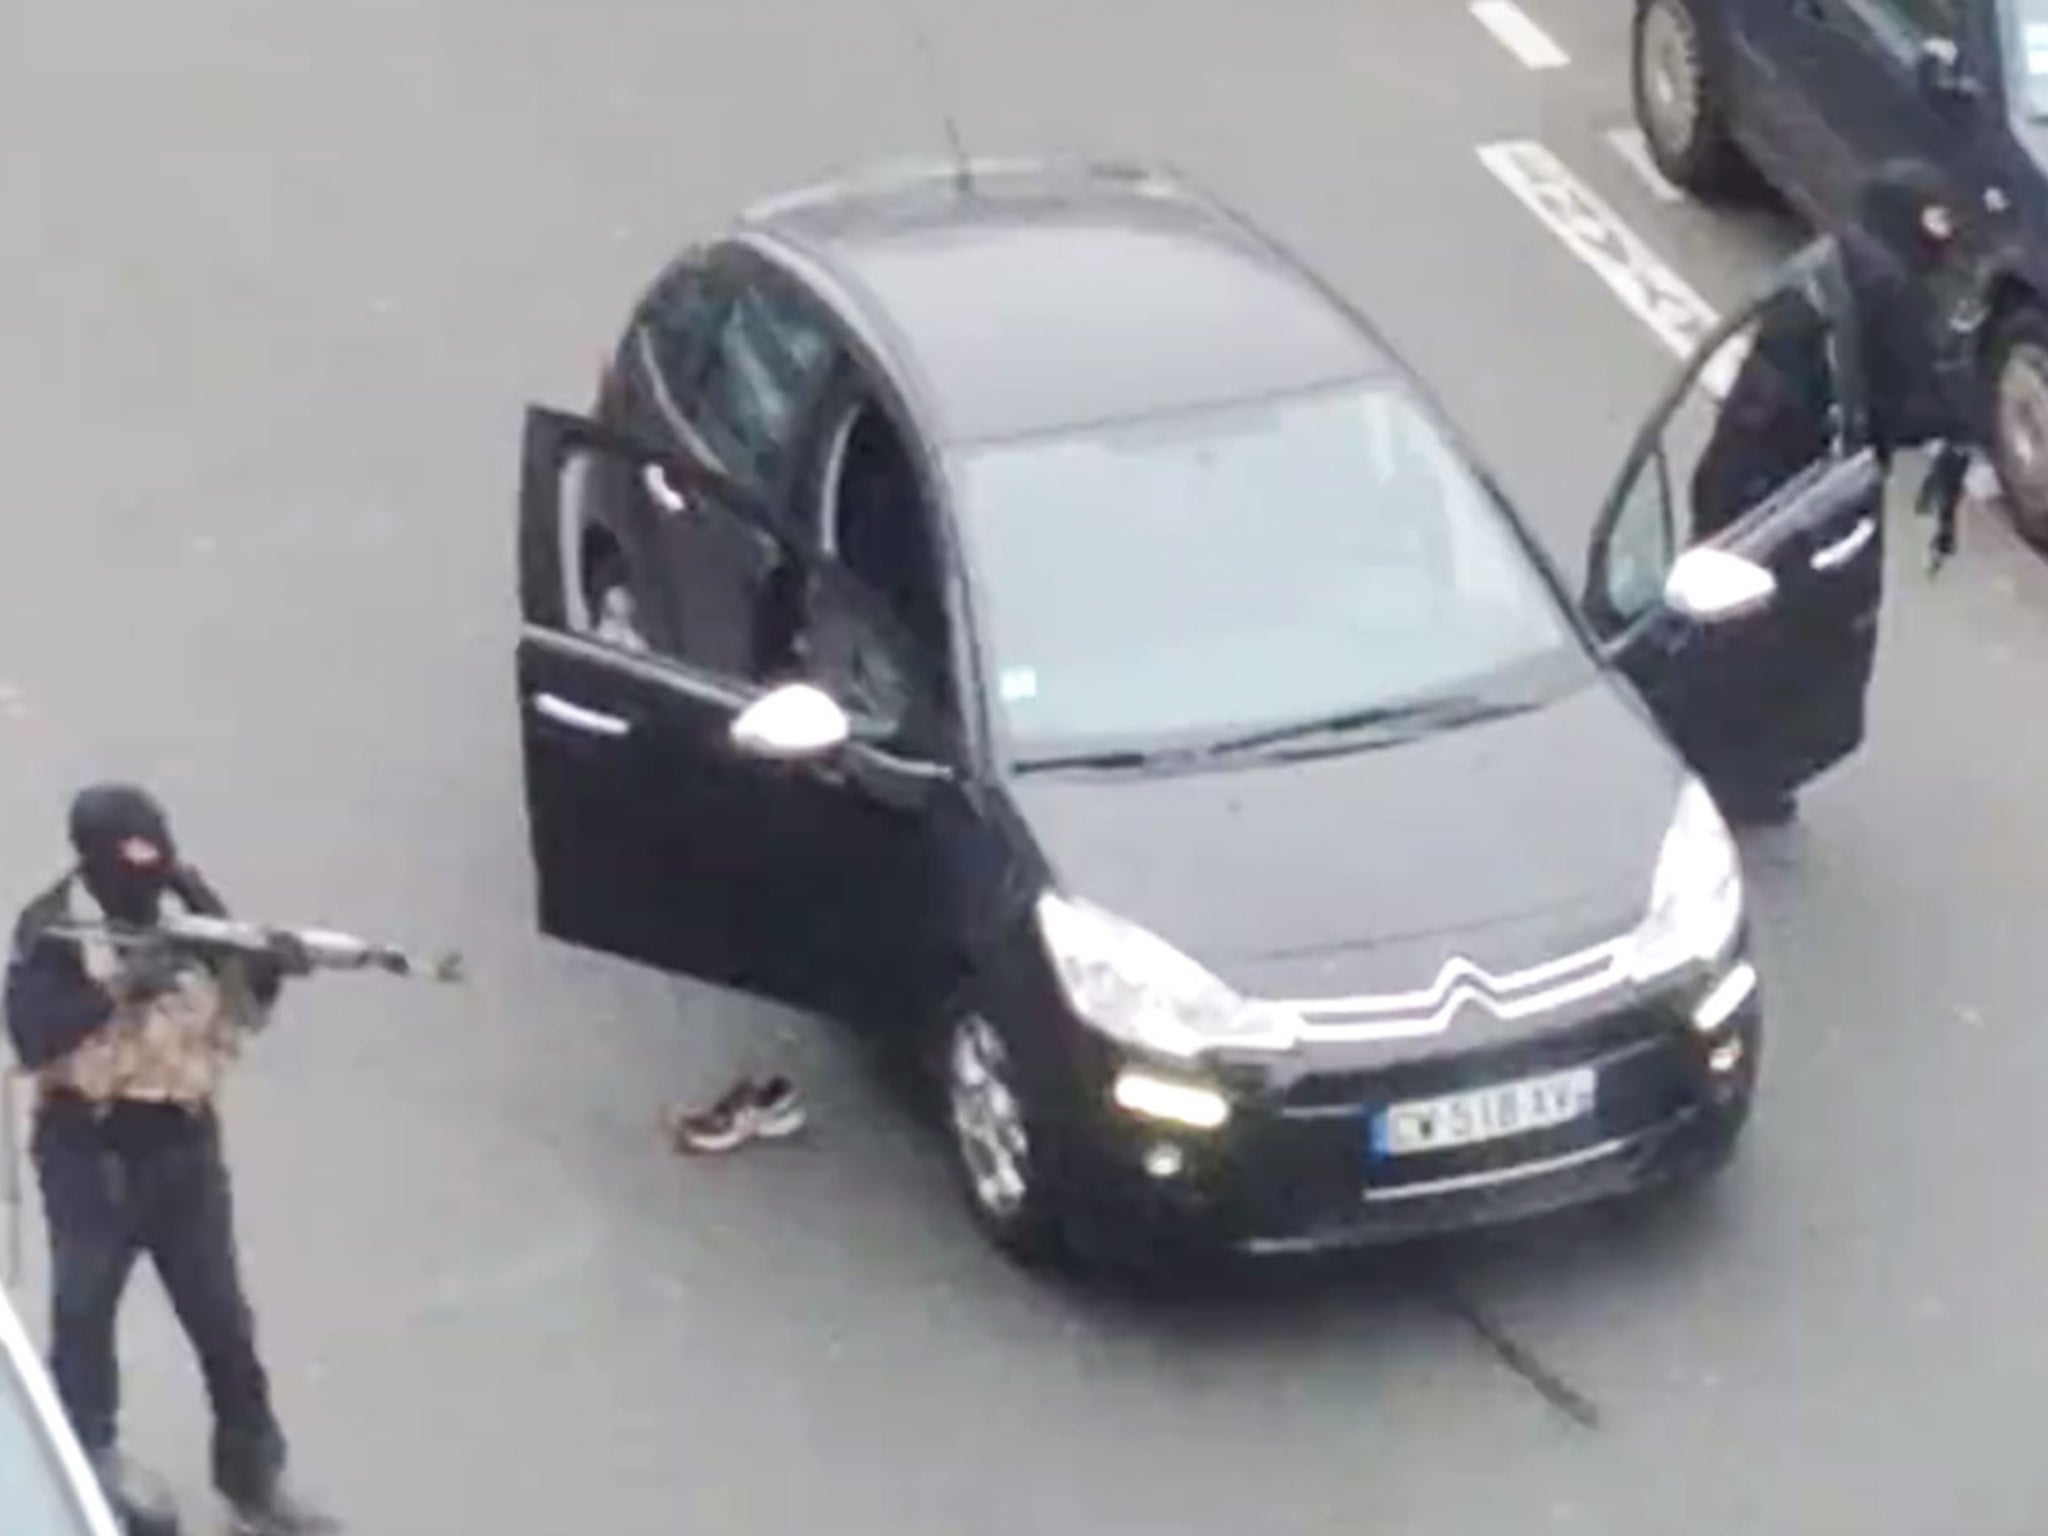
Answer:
(1628, 143)
(1513, 29)
(1592, 231)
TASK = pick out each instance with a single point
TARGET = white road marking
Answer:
(1514, 31)
(1628, 143)
(1592, 231)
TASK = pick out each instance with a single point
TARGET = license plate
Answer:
(1483, 1114)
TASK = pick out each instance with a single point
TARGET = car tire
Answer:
(2016, 393)
(997, 1138)
(1680, 101)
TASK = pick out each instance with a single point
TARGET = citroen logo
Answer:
(1459, 983)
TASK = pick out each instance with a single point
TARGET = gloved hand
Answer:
(148, 972)
(291, 954)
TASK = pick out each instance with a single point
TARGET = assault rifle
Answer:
(324, 948)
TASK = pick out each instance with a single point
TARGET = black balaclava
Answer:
(1891, 210)
(102, 819)
(1892, 256)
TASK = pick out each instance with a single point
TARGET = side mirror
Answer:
(1714, 586)
(1941, 73)
(793, 723)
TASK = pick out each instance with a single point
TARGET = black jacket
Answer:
(1777, 416)
(52, 1005)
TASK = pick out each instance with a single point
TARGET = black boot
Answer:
(141, 1503)
(278, 1512)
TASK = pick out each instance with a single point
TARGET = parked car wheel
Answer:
(1680, 103)
(997, 1139)
(2018, 386)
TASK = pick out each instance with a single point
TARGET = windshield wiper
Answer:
(1415, 716)
(1123, 759)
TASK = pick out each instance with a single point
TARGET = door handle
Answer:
(1846, 548)
(665, 495)
(591, 722)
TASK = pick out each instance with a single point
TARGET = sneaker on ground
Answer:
(778, 1109)
(753, 1108)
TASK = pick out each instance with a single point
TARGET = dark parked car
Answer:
(1022, 610)
(1814, 94)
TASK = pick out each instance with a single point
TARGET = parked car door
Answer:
(1896, 78)
(1775, 51)
(1737, 570)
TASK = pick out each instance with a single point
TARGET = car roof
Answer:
(1028, 297)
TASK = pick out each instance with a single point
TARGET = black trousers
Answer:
(147, 1178)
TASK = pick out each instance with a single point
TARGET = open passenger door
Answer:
(1737, 569)
(652, 837)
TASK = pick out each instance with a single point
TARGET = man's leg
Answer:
(93, 1244)
(191, 1239)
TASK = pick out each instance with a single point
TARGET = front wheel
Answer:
(1681, 101)
(997, 1138)
(2018, 386)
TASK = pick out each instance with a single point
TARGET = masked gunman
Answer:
(128, 1047)
(1905, 260)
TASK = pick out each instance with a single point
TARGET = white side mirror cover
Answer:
(790, 723)
(1714, 586)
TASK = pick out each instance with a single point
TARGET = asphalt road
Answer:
(274, 285)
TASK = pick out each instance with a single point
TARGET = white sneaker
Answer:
(754, 1109)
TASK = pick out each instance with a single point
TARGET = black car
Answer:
(1022, 610)
(1815, 94)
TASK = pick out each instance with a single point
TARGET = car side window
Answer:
(768, 356)
(677, 321)
(876, 631)
(877, 525)
(854, 649)
(738, 604)
(1765, 410)
(1644, 542)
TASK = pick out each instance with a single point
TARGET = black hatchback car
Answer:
(1815, 94)
(1019, 608)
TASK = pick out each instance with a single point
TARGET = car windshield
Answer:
(35, 1500)
(1243, 568)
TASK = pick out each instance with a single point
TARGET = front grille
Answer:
(1589, 1043)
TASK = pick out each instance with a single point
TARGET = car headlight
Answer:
(1696, 894)
(1138, 989)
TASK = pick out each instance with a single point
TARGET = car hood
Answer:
(1501, 840)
